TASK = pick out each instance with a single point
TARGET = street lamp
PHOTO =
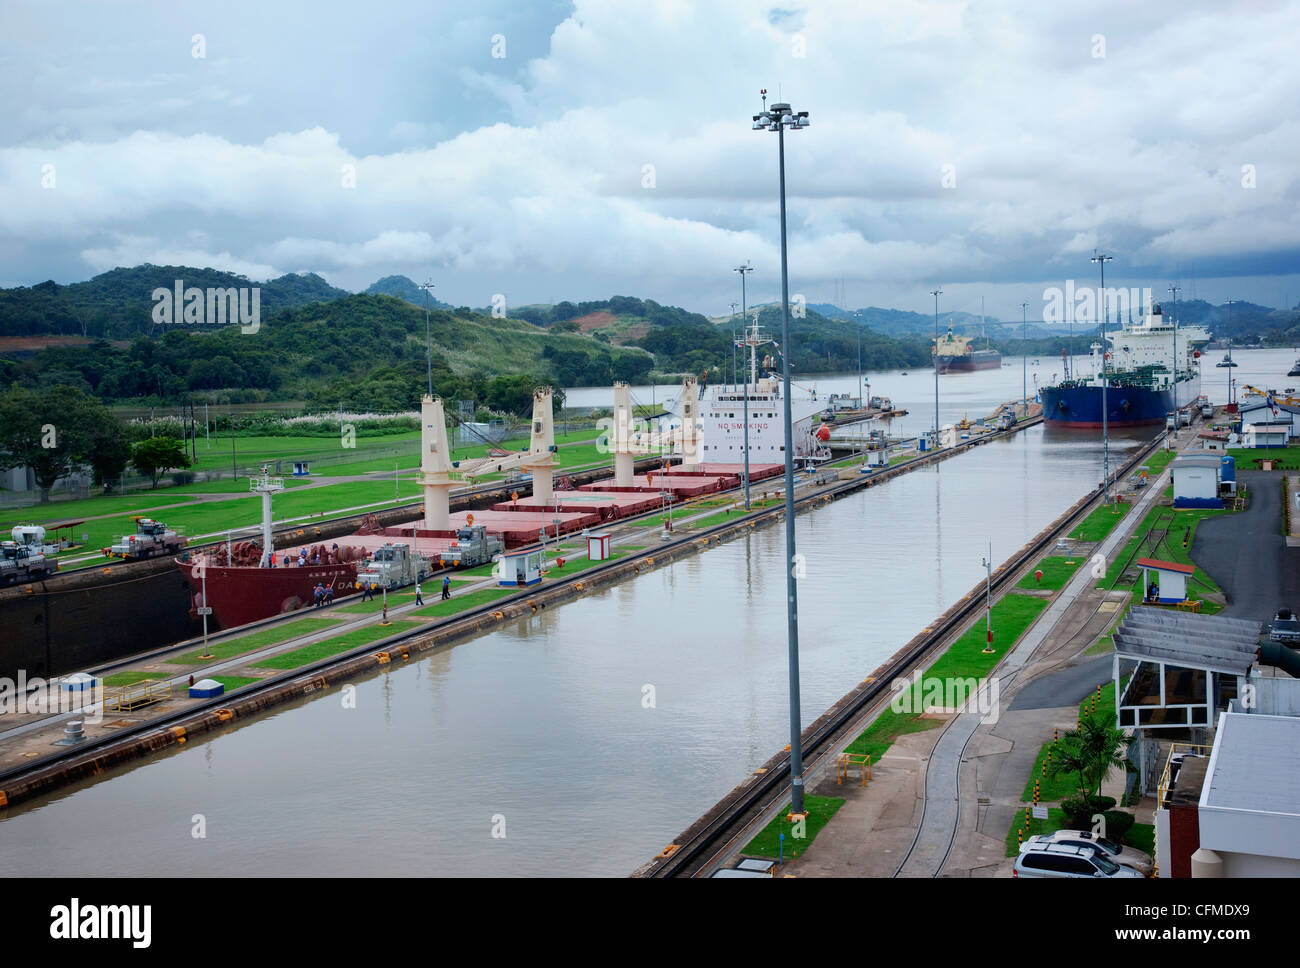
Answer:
(743, 270)
(1101, 260)
(936, 293)
(777, 118)
(1024, 359)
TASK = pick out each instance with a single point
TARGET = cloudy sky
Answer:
(575, 150)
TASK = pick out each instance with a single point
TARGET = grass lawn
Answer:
(429, 590)
(768, 841)
(1288, 458)
(1057, 570)
(131, 676)
(256, 449)
(1101, 646)
(333, 646)
(1100, 522)
(259, 640)
(1159, 461)
(877, 738)
(234, 682)
(462, 602)
(572, 565)
(964, 660)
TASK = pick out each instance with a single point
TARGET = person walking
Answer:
(418, 599)
(446, 588)
(367, 593)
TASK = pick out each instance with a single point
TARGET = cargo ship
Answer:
(956, 354)
(1142, 381)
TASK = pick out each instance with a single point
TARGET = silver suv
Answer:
(1063, 860)
(1116, 853)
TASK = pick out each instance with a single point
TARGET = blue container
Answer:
(1228, 472)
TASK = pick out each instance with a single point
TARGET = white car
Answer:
(1062, 860)
(1124, 856)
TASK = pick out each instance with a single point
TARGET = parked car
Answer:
(1285, 628)
(1062, 860)
(1124, 856)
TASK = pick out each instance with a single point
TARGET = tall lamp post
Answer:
(734, 381)
(1101, 260)
(743, 270)
(1024, 359)
(936, 293)
(1230, 302)
(777, 118)
(1174, 316)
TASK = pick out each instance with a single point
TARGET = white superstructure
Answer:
(1151, 344)
(722, 416)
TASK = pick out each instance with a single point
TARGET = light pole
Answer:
(428, 338)
(1101, 260)
(778, 118)
(1174, 318)
(743, 270)
(936, 293)
(1024, 359)
(1230, 302)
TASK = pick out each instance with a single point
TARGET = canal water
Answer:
(583, 739)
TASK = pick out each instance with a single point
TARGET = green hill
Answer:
(119, 304)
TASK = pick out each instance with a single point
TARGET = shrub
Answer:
(183, 477)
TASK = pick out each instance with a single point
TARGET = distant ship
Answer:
(1227, 358)
(955, 354)
(1141, 376)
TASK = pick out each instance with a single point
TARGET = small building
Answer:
(521, 569)
(207, 689)
(302, 468)
(1263, 435)
(1196, 481)
(1164, 582)
(597, 547)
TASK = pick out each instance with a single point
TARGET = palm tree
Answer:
(1104, 743)
(1071, 756)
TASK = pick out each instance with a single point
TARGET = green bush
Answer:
(1118, 823)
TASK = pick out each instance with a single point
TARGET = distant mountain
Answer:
(119, 304)
(404, 288)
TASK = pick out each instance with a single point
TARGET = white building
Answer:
(1257, 411)
(1262, 435)
(1196, 481)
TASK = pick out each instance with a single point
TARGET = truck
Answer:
(881, 403)
(1284, 627)
(473, 546)
(19, 563)
(151, 538)
(393, 566)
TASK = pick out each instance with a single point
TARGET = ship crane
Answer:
(626, 441)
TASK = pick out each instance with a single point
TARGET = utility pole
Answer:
(734, 374)
(936, 293)
(1024, 359)
(1101, 260)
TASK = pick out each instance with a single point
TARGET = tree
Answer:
(49, 431)
(1104, 744)
(157, 455)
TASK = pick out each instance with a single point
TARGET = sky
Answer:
(578, 150)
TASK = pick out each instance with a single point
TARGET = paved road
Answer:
(1247, 555)
(1070, 686)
